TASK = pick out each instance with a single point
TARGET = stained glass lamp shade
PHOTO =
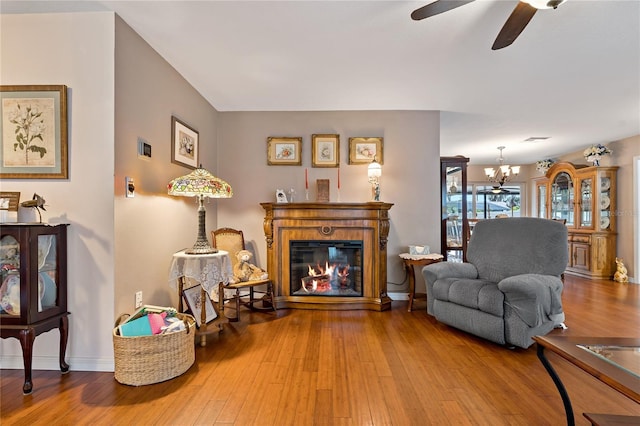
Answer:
(202, 184)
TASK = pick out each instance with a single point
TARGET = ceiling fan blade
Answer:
(437, 7)
(517, 21)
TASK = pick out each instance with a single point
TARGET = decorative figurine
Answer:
(37, 202)
(621, 272)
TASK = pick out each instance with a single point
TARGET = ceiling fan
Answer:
(516, 22)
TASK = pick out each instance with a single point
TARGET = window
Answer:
(484, 202)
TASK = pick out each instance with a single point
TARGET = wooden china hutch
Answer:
(585, 198)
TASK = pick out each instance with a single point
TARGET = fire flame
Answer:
(326, 276)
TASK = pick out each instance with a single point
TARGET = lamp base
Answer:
(202, 245)
(201, 250)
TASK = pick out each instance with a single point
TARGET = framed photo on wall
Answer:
(365, 150)
(283, 151)
(325, 150)
(185, 144)
(34, 132)
(193, 297)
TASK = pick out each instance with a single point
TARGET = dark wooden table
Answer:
(606, 371)
(409, 265)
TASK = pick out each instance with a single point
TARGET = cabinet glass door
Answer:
(453, 213)
(605, 203)
(10, 274)
(47, 272)
(542, 200)
(586, 203)
(562, 202)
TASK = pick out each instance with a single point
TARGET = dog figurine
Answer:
(621, 272)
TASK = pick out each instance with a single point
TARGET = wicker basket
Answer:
(146, 360)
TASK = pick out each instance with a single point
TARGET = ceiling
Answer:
(573, 75)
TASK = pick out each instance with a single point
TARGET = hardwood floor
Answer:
(298, 367)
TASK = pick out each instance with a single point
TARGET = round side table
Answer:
(410, 261)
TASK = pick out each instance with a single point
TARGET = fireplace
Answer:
(328, 255)
(325, 268)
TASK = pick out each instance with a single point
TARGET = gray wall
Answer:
(150, 227)
(410, 173)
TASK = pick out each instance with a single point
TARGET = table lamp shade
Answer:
(202, 184)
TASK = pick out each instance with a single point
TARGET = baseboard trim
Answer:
(398, 296)
(14, 362)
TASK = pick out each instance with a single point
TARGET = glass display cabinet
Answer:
(455, 227)
(585, 197)
(33, 290)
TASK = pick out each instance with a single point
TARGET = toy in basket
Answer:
(142, 358)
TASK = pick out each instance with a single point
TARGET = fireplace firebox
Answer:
(325, 268)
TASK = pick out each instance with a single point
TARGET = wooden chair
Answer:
(232, 240)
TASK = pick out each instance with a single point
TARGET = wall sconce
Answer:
(374, 172)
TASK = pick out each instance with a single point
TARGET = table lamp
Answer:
(374, 172)
(202, 184)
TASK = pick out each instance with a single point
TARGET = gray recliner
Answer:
(510, 288)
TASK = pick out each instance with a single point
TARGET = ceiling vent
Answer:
(536, 139)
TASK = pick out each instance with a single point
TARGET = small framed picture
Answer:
(283, 151)
(322, 190)
(9, 202)
(34, 132)
(185, 148)
(281, 197)
(365, 150)
(193, 297)
(325, 150)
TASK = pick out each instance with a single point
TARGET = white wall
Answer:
(119, 90)
(75, 50)
(410, 173)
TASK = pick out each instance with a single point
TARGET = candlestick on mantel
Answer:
(338, 177)
(306, 179)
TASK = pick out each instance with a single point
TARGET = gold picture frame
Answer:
(34, 132)
(325, 150)
(185, 144)
(364, 150)
(284, 151)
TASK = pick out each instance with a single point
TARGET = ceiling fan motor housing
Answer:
(545, 4)
(555, 3)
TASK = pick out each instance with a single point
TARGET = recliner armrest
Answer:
(535, 298)
(441, 270)
(436, 271)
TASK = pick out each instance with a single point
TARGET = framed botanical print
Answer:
(34, 132)
(185, 144)
(365, 150)
(282, 151)
(325, 150)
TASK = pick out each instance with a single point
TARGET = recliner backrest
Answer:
(501, 248)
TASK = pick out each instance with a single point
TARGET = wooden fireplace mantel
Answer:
(368, 222)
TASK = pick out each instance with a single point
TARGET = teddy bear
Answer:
(621, 273)
(244, 270)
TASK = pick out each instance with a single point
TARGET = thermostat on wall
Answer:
(144, 148)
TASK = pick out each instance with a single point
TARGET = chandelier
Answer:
(503, 173)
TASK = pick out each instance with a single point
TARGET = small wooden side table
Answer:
(211, 272)
(410, 261)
